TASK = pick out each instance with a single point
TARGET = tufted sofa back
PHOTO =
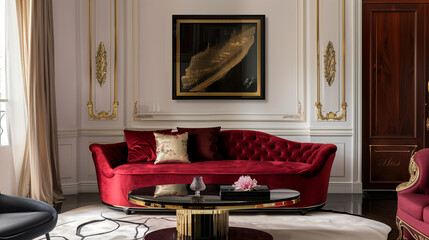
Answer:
(253, 145)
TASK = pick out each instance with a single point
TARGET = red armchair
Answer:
(412, 217)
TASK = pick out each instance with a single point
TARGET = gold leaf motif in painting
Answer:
(210, 65)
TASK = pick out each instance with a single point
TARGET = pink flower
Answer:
(245, 183)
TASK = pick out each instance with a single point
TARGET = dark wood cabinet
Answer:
(394, 87)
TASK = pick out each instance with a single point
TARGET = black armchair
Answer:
(25, 218)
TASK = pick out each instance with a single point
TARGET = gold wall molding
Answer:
(331, 115)
(90, 105)
(135, 110)
(298, 116)
(101, 64)
(329, 61)
(343, 109)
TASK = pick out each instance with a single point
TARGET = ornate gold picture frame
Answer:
(218, 56)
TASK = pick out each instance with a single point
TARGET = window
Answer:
(3, 72)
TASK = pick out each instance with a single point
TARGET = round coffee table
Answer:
(207, 217)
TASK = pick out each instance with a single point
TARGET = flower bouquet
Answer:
(245, 188)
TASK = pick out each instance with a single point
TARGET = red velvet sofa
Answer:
(412, 216)
(273, 161)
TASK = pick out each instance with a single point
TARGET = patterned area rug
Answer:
(100, 222)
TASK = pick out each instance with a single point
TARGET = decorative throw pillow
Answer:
(202, 143)
(171, 190)
(141, 145)
(171, 148)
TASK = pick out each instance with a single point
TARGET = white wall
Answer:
(8, 184)
(144, 76)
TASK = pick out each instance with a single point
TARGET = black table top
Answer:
(210, 199)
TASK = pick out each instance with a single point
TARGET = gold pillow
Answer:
(171, 148)
(171, 190)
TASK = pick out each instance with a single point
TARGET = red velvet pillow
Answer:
(202, 143)
(141, 145)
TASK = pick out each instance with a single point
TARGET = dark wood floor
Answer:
(380, 206)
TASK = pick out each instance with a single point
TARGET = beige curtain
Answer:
(40, 173)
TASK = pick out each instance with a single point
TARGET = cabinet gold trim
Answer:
(427, 124)
(298, 116)
(330, 62)
(318, 104)
(101, 64)
(412, 151)
(90, 105)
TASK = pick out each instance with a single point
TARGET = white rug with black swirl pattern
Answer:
(100, 222)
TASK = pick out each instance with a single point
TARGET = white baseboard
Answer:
(69, 188)
(82, 187)
(92, 187)
(341, 187)
(88, 187)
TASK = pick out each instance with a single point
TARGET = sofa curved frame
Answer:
(405, 221)
(312, 181)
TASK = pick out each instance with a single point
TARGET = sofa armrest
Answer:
(108, 156)
(419, 174)
(9, 203)
(317, 155)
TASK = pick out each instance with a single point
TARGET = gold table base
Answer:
(202, 224)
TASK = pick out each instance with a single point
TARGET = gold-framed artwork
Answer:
(218, 57)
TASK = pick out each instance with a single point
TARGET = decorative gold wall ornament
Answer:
(329, 60)
(101, 64)
(318, 104)
(103, 114)
(90, 105)
(331, 115)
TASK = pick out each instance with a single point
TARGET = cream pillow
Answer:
(171, 148)
(171, 190)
